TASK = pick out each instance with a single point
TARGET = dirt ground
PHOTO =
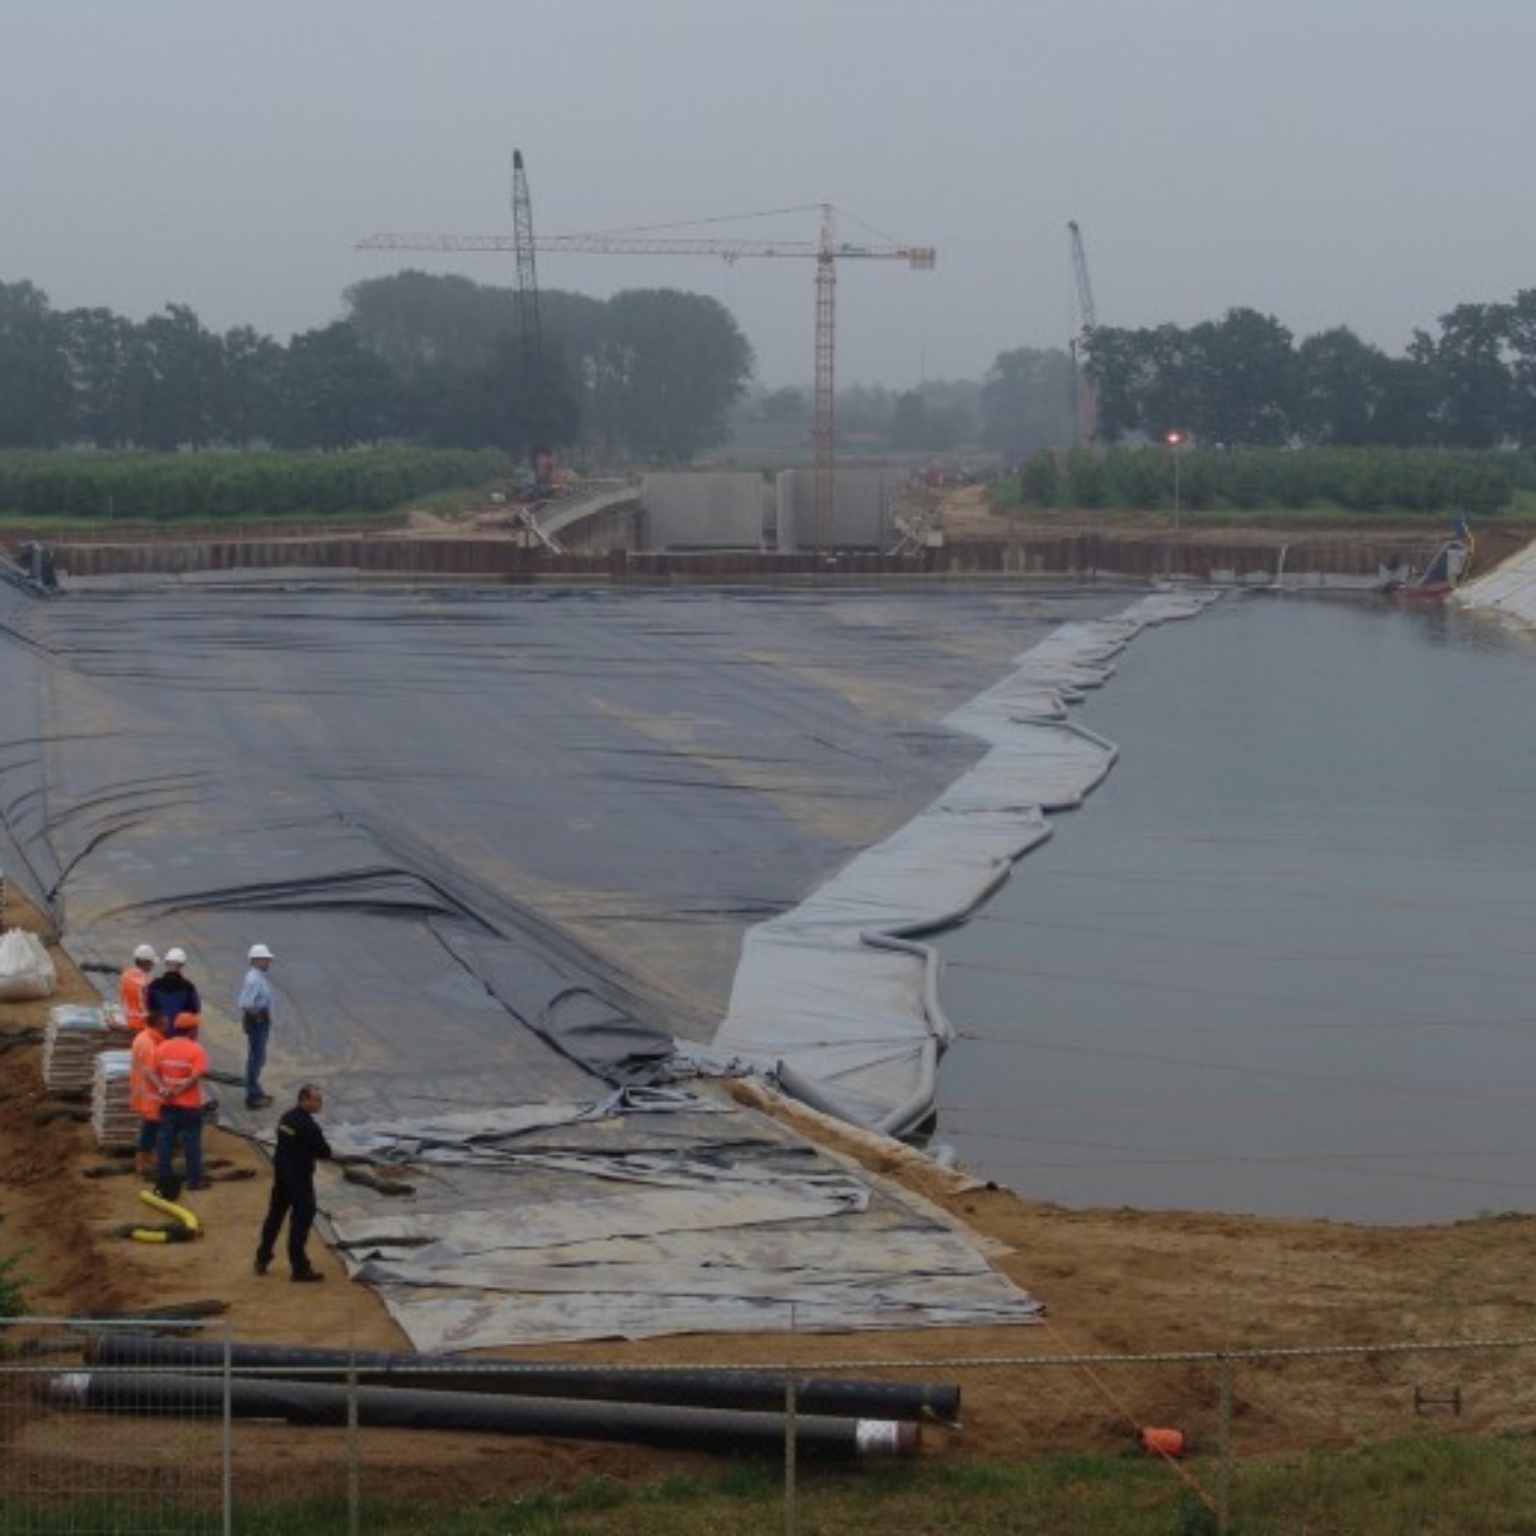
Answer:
(1116, 1282)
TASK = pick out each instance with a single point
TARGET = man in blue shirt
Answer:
(256, 1018)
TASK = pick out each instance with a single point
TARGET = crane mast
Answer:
(1085, 396)
(530, 334)
(826, 252)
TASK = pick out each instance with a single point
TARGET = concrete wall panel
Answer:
(860, 514)
(724, 510)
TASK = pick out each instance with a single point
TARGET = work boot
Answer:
(262, 1264)
(306, 1276)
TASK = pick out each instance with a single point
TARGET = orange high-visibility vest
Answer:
(133, 994)
(142, 1099)
(178, 1067)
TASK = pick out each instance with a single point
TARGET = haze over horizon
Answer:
(1329, 162)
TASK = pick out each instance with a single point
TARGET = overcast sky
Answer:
(1355, 162)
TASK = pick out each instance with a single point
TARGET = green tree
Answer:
(1086, 482)
(1476, 384)
(1342, 390)
(173, 380)
(1038, 480)
(34, 382)
(250, 404)
(909, 424)
(670, 368)
(336, 394)
(98, 347)
(786, 407)
(1243, 371)
(416, 321)
(1027, 401)
(1521, 340)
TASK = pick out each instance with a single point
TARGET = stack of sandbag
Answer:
(76, 1034)
(115, 1124)
(26, 967)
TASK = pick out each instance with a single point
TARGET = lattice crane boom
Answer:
(1086, 395)
(922, 257)
(825, 252)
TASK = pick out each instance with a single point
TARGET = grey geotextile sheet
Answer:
(507, 845)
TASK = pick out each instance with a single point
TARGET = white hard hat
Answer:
(175, 957)
(261, 952)
(146, 952)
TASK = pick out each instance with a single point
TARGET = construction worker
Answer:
(300, 1143)
(133, 987)
(255, 1004)
(144, 1097)
(178, 1068)
(172, 992)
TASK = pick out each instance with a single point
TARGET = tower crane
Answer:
(825, 252)
(1085, 391)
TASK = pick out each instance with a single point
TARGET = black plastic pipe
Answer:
(752, 1391)
(308, 1402)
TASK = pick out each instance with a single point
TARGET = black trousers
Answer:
(293, 1199)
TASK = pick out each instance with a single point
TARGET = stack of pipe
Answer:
(723, 1409)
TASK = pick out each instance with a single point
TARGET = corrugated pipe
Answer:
(307, 1402)
(720, 1387)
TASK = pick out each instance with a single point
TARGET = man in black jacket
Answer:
(172, 993)
(300, 1144)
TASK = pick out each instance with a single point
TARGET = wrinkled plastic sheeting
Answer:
(833, 999)
(505, 846)
(652, 1212)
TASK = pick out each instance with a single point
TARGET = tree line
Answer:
(658, 375)
(437, 362)
(1244, 381)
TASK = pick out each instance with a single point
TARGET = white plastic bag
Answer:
(26, 968)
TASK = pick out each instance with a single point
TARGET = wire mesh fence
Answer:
(107, 1426)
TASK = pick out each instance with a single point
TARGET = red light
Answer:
(1174, 439)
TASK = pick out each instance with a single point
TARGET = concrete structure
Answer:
(861, 516)
(714, 510)
(736, 510)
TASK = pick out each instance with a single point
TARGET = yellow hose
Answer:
(187, 1218)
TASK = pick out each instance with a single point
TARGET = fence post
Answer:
(226, 1440)
(791, 1514)
(1224, 1448)
(354, 1458)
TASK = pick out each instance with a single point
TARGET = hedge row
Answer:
(1357, 480)
(209, 486)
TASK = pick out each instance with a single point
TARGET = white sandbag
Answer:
(26, 968)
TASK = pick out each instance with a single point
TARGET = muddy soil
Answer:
(1116, 1282)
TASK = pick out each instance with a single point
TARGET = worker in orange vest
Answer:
(133, 987)
(144, 1098)
(178, 1068)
